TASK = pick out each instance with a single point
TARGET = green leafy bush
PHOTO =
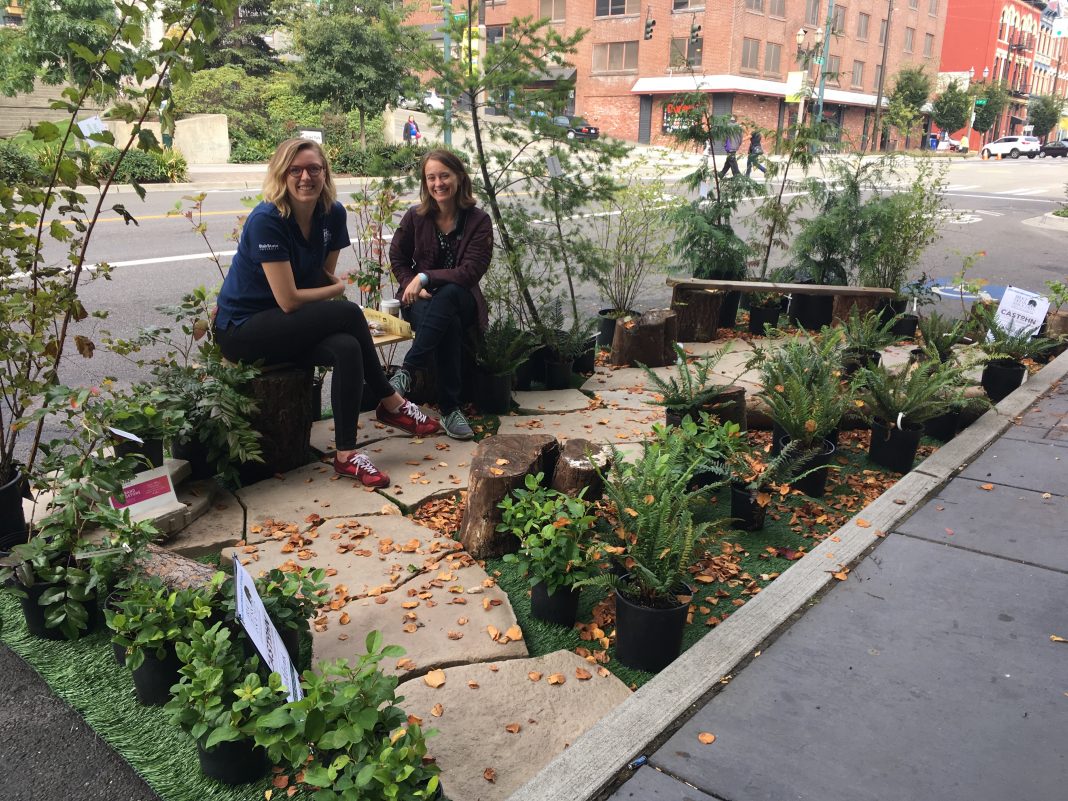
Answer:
(17, 166)
(141, 167)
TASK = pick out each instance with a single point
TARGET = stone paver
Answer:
(440, 618)
(649, 783)
(598, 424)
(625, 399)
(312, 489)
(563, 400)
(473, 719)
(367, 430)
(1043, 468)
(422, 468)
(222, 525)
(629, 378)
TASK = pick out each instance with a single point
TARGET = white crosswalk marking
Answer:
(1021, 192)
(961, 187)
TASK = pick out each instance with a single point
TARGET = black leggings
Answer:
(329, 333)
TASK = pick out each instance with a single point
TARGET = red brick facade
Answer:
(734, 66)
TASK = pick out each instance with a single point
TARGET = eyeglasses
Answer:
(314, 170)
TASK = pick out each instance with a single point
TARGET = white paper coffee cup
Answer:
(390, 306)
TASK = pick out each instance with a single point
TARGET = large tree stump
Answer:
(176, 571)
(501, 464)
(647, 339)
(697, 312)
(843, 304)
(283, 420)
(578, 467)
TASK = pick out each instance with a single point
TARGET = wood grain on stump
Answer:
(283, 420)
(501, 464)
(176, 571)
(697, 312)
(647, 339)
(578, 467)
(843, 304)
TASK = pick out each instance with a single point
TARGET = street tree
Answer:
(354, 61)
(50, 29)
(17, 71)
(242, 37)
(996, 98)
(951, 109)
(912, 88)
(1043, 112)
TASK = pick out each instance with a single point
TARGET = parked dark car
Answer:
(1054, 147)
(577, 128)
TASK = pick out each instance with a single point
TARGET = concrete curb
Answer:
(595, 759)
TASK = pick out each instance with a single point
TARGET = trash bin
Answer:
(932, 141)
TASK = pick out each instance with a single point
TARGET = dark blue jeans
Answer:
(439, 325)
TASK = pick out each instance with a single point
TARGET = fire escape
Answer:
(1018, 80)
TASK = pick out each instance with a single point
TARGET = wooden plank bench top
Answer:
(779, 289)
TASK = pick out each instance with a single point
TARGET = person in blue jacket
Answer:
(281, 301)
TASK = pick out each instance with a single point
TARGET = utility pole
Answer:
(823, 59)
(877, 134)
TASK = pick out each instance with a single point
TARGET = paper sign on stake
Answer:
(1020, 311)
(148, 492)
(260, 628)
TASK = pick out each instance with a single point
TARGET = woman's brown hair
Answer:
(465, 196)
(274, 185)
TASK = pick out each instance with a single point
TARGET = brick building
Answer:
(1012, 41)
(742, 55)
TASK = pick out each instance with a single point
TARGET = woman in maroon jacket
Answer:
(439, 253)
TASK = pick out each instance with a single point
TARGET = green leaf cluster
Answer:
(693, 385)
(910, 396)
(867, 331)
(149, 617)
(553, 532)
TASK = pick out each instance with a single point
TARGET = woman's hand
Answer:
(336, 285)
(413, 292)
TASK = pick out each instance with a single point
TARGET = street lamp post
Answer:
(807, 56)
(971, 117)
(823, 59)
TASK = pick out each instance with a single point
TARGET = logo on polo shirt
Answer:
(326, 237)
(268, 246)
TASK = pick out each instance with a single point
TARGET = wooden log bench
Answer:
(696, 301)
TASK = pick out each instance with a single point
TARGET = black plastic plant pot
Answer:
(1001, 377)
(120, 654)
(854, 359)
(237, 762)
(761, 316)
(811, 312)
(291, 640)
(154, 677)
(532, 371)
(196, 453)
(728, 310)
(747, 513)
(905, 327)
(918, 356)
(944, 426)
(494, 392)
(35, 613)
(674, 417)
(12, 516)
(587, 362)
(814, 485)
(893, 448)
(558, 374)
(151, 449)
(606, 332)
(560, 607)
(649, 638)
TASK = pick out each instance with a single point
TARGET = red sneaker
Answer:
(358, 466)
(408, 418)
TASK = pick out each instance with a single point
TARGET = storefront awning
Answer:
(681, 84)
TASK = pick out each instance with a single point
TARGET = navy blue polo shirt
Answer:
(266, 237)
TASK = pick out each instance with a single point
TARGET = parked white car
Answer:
(1013, 147)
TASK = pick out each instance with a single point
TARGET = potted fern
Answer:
(1005, 350)
(754, 480)
(552, 530)
(659, 541)
(693, 389)
(500, 353)
(865, 336)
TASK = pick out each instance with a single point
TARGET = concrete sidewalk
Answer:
(930, 673)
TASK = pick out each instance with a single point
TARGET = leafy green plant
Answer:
(220, 696)
(710, 445)
(291, 597)
(150, 617)
(143, 411)
(940, 334)
(360, 741)
(1057, 292)
(909, 397)
(659, 537)
(375, 208)
(18, 166)
(808, 409)
(551, 528)
(503, 347)
(866, 332)
(756, 473)
(1002, 343)
(694, 383)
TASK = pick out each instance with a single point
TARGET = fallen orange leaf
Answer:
(435, 678)
(437, 710)
(706, 737)
(557, 678)
(534, 675)
(987, 487)
(512, 728)
(489, 774)
(862, 523)
(514, 633)
(1056, 638)
(582, 674)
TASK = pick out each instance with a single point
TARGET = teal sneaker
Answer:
(456, 425)
(401, 381)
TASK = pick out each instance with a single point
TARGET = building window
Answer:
(914, 3)
(777, 8)
(882, 32)
(688, 5)
(862, 26)
(553, 9)
(617, 8)
(858, 73)
(685, 53)
(750, 54)
(932, 7)
(834, 69)
(615, 57)
(755, 5)
(928, 45)
(812, 12)
(910, 36)
(878, 75)
(495, 34)
(772, 57)
(838, 25)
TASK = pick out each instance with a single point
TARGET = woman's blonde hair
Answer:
(465, 195)
(274, 185)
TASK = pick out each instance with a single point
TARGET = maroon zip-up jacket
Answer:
(414, 250)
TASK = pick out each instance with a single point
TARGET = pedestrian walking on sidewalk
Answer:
(756, 150)
(730, 147)
(411, 134)
(282, 302)
(439, 253)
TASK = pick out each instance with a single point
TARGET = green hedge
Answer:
(18, 165)
(380, 160)
(143, 167)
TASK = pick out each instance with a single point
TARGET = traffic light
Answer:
(650, 23)
(695, 32)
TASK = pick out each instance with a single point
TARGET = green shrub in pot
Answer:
(693, 386)
(150, 618)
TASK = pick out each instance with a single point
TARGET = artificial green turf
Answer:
(543, 638)
(85, 675)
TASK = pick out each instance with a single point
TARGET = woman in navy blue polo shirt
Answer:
(282, 302)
